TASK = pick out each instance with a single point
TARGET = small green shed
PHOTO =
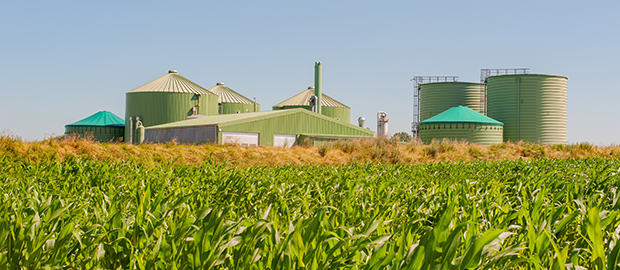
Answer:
(462, 123)
(104, 126)
(282, 128)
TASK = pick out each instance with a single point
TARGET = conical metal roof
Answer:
(460, 114)
(303, 99)
(172, 82)
(100, 119)
(227, 95)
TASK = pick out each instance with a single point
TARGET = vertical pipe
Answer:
(131, 130)
(317, 85)
(254, 104)
(518, 108)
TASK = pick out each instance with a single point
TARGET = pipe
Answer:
(254, 104)
(317, 85)
(518, 108)
(131, 129)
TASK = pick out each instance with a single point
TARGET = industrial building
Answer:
(506, 105)
(103, 126)
(173, 108)
(531, 107)
(283, 128)
(230, 101)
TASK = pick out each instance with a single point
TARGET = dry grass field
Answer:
(331, 154)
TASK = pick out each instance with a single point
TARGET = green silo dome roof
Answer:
(100, 119)
(460, 114)
(172, 82)
(227, 95)
(303, 99)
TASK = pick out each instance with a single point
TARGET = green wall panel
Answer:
(343, 114)
(211, 102)
(538, 115)
(161, 107)
(230, 108)
(438, 97)
(295, 124)
(473, 133)
(100, 134)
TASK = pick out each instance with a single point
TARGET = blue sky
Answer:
(61, 61)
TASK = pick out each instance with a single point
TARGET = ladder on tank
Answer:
(486, 73)
(417, 82)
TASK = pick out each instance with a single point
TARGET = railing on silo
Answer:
(417, 81)
(488, 72)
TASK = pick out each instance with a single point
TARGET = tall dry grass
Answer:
(333, 153)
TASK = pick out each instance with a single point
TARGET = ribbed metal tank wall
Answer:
(340, 113)
(531, 106)
(99, 134)
(473, 133)
(164, 107)
(440, 96)
(230, 108)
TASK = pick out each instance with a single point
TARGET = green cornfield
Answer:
(79, 213)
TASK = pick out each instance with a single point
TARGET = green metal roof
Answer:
(460, 114)
(100, 119)
(227, 95)
(224, 120)
(528, 75)
(172, 82)
(303, 99)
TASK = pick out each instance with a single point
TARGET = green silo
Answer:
(531, 106)
(462, 123)
(329, 106)
(439, 96)
(169, 98)
(230, 101)
(104, 126)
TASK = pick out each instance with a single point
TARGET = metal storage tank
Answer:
(462, 123)
(104, 126)
(532, 106)
(230, 101)
(169, 98)
(439, 96)
(329, 106)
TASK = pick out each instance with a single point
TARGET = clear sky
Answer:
(61, 61)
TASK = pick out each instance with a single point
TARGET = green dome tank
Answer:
(103, 126)
(169, 98)
(439, 96)
(462, 123)
(531, 106)
(329, 106)
(230, 101)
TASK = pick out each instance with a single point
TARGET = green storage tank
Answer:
(329, 106)
(462, 123)
(230, 101)
(440, 96)
(169, 98)
(531, 106)
(103, 126)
